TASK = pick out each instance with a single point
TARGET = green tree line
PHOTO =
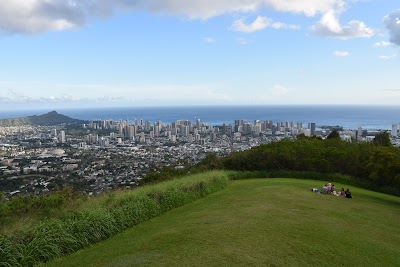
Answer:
(375, 163)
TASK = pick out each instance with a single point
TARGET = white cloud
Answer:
(329, 26)
(392, 23)
(279, 90)
(280, 25)
(260, 23)
(57, 99)
(35, 16)
(341, 53)
(109, 99)
(63, 95)
(383, 43)
(387, 57)
(14, 96)
(32, 16)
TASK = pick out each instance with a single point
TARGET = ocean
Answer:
(350, 117)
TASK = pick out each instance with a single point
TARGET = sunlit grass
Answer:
(263, 222)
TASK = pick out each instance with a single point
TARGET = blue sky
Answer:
(168, 52)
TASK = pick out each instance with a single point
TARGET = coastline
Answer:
(349, 117)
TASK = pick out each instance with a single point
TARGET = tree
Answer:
(383, 165)
(211, 162)
(302, 136)
(382, 139)
(334, 135)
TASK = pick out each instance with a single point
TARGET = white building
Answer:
(394, 130)
(62, 137)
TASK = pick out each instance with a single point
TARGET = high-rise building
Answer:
(156, 130)
(131, 132)
(103, 142)
(311, 126)
(62, 137)
(299, 126)
(394, 130)
(126, 128)
(257, 128)
(147, 126)
(54, 132)
(184, 130)
(142, 138)
(120, 129)
(246, 128)
(359, 133)
(213, 137)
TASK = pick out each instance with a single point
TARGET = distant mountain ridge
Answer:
(51, 118)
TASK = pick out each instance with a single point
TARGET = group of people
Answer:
(330, 189)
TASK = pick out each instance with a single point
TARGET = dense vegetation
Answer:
(372, 166)
(51, 118)
(31, 208)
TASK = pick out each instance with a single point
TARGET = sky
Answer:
(109, 53)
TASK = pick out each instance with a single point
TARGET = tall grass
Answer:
(103, 218)
(22, 211)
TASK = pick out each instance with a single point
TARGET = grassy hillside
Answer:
(262, 222)
(51, 118)
(37, 239)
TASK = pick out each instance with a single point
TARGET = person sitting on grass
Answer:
(324, 190)
(342, 192)
(329, 188)
(348, 193)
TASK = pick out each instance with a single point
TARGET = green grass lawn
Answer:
(262, 222)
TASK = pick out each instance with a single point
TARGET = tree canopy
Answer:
(382, 139)
(333, 134)
(376, 164)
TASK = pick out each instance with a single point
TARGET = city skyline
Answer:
(147, 53)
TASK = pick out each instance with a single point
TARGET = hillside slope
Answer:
(51, 118)
(264, 222)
